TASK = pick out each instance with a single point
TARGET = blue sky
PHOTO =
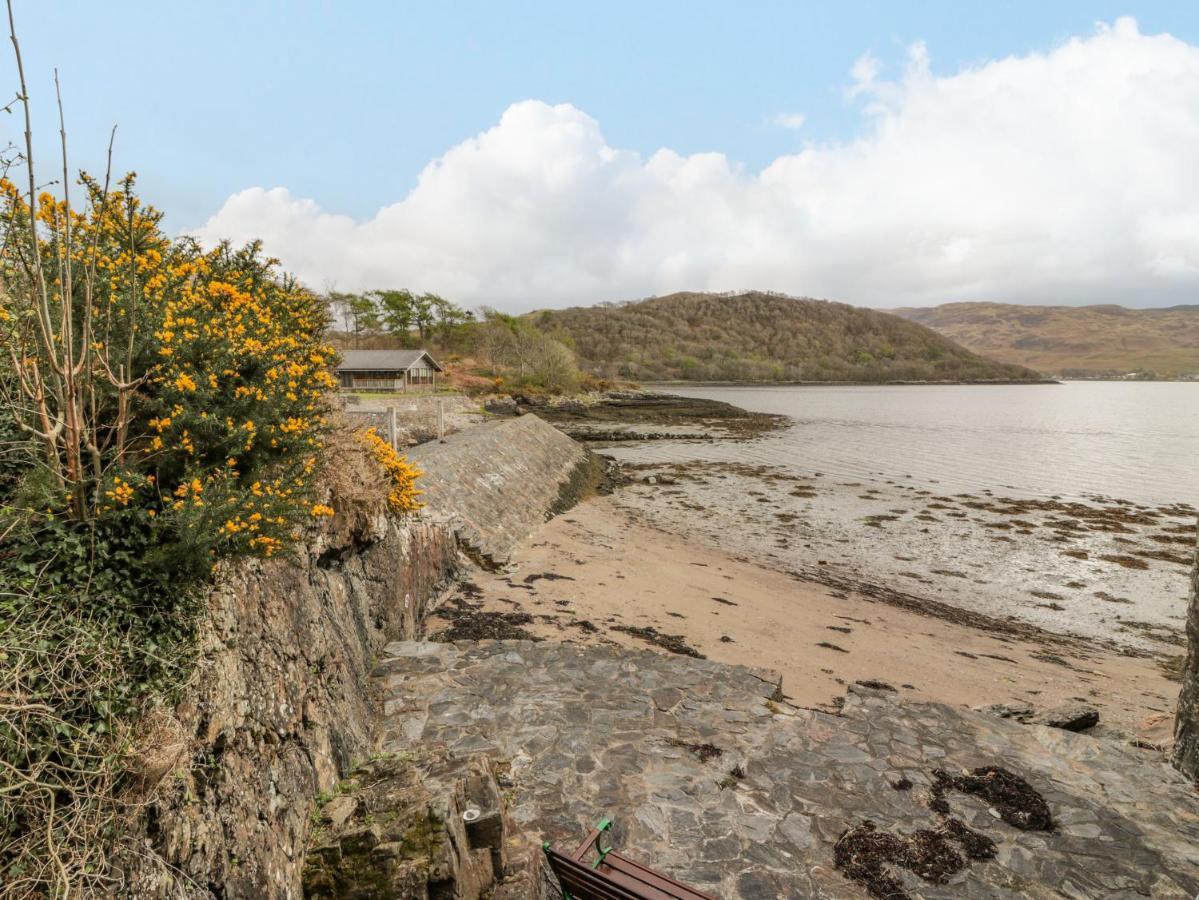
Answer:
(344, 103)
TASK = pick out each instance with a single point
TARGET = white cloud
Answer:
(1065, 176)
(791, 121)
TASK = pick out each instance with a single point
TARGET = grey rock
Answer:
(1019, 711)
(338, 810)
(1069, 716)
(805, 777)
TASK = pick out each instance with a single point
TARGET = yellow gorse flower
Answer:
(403, 494)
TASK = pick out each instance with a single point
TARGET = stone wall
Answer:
(280, 709)
(496, 483)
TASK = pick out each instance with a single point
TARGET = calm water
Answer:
(1133, 441)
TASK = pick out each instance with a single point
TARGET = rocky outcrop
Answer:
(495, 483)
(420, 825)
(279, 709)
(1071, 716)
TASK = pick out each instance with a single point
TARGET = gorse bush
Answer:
(188, 387)
(403, 495)
(162, 408)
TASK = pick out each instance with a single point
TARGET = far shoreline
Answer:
(998, 383)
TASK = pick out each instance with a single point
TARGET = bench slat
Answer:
(649, 877)
(585, 883)
(586, 845)
(615, 877)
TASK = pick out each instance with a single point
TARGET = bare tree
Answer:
(61, 359)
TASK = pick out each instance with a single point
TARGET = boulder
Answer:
(1070, 716)
(1019, 711)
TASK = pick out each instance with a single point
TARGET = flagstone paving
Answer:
(712, 777)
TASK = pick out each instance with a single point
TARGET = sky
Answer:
(527, 155)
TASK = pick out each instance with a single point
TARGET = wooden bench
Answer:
(612, 876)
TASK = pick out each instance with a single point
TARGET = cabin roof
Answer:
(383, 360)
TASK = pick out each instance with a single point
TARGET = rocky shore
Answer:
(756, 728)
(975, 599)
(617, 416)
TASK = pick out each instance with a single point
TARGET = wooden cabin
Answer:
(387, 370)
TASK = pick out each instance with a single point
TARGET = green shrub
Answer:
(190, 433)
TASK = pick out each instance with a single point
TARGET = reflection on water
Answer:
(1136, 441)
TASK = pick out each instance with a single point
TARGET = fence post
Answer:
(440, 419)
(392, 430)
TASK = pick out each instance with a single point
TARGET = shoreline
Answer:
(601, 574)
(771, 528)
(1048, 379)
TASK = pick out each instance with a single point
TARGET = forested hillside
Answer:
(1073, 340)
(757, 336)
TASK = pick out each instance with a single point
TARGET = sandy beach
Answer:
(598, 574)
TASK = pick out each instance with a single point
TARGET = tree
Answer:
(1186, 724)
(449, 317)
(364, 316)
(396, 310)
(528, 355)
(424, 313)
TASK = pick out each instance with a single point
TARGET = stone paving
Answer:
(713, 778)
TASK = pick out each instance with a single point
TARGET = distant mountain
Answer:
(761, 337)
(1073, 340)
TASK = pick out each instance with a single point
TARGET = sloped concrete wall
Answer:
(494, 484)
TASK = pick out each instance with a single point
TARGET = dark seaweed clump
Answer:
(865, 855)
(1017, 802)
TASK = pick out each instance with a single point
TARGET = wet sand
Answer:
(1103, 568)
(598, 569)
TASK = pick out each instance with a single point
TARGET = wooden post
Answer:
(392, 430)
(440, 419)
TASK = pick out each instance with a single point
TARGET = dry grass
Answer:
(350, 472)
(59, 803)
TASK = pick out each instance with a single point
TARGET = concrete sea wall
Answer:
(496, 483)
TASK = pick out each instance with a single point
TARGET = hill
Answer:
(758, 336)
(1073, 340)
